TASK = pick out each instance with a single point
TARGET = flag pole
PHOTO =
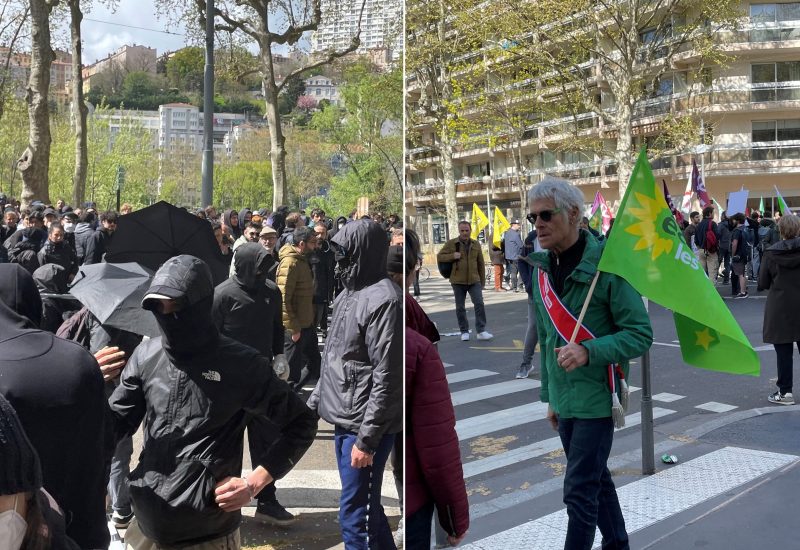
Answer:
(648, 440)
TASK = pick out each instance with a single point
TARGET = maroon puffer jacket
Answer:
(433, 460)
(417, 319)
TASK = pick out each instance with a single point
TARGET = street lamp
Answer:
(487, 183)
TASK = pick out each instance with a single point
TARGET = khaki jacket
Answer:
(296, 282)
(468, 270)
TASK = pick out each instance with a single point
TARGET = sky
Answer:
(100, 39)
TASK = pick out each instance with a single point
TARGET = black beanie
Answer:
(394, 260)
(20, 471)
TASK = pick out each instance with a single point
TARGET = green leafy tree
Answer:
(185, 69)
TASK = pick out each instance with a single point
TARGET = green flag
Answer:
(761, 205)
(596, 221)
(785, 210)
(648, 250)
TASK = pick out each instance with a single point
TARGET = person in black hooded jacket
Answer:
(196, 390)
(57, 304)
(247, 308)
(360, 390)
(57, 390)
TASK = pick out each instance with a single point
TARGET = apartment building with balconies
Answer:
(750, 113)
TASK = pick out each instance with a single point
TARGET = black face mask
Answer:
(188, 332)
(341, 256)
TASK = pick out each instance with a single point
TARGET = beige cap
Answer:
(267, 230)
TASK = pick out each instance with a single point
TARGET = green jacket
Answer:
(296, 281)
(468, 270)
(616, 316)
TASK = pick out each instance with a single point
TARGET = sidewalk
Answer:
(759, 514)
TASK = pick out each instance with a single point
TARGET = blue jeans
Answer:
(361, 518)
(418, 528)
(589, 491)
(475, 292)
(531, 336)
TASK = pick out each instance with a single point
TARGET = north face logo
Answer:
(212, 375)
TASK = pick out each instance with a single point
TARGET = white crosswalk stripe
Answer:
(540, 448)
(500, 420)
(494, 390)
(467, 375)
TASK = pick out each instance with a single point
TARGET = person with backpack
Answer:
(706, 239)
(467, 273)
(741, 250)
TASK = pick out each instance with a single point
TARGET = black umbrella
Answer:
(155, 234)
(113, 293)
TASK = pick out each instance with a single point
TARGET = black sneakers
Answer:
(272, 513)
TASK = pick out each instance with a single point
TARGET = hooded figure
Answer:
(57, 305)
(196, 390)
(360, 390)
(243, 218)
(247, 307)
(57, 390)
(235, 228)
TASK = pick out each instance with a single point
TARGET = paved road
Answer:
(514, 463)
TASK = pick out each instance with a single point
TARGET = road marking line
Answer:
(667, 397)
(500, 420)
(666, 345)
(493, 390)
(652, 499)
(540, 448)
(448, 365)
(713, 406)
(467, 375)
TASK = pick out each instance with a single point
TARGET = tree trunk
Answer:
(34, 163)
(80, 110)
(277, 152)
(622, 153)
(450, 206)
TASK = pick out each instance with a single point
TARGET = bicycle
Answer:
(424, 273)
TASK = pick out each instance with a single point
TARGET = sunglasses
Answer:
(546, 215)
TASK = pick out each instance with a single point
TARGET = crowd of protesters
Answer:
(243, 355)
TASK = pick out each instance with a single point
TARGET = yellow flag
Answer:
(479, 221)
(501, 225)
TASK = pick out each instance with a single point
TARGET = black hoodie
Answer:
(236, 231)
(361, 384)
(51, 280)
(57, 390)
(196, 390)
(247, 307)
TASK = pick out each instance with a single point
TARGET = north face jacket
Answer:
(616, 316)
(361, 382)
(196, 390)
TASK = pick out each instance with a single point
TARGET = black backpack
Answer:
(446, 268)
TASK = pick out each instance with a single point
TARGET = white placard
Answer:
(737, 202)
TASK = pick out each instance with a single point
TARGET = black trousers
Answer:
(303, 356)
(785, 367)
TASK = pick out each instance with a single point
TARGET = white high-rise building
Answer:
(381, 25)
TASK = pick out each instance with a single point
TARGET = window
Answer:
(763, 130)
(762, 13)
(782, 76)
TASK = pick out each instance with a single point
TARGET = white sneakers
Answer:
(481, 336)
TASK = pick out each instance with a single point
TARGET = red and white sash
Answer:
(564, 322)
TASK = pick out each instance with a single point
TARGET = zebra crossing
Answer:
(503, 434)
